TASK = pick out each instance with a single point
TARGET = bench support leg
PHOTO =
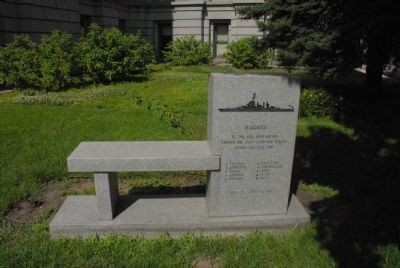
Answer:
(106, 194)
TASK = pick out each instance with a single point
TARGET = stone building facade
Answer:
(159, 21)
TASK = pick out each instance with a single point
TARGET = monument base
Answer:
(152, 216)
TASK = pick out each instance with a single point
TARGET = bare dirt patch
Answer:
(78, 186)
(53, 196)
(206, 264)
(55, 193)
(30, 209)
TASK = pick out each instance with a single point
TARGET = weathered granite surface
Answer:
(142, 156)
(252, 125)
(176, 215)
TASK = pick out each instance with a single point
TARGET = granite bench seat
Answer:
(105, 159)
(142, 156)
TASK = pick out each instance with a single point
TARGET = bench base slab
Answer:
(152, 216)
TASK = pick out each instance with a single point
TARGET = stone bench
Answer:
(105, 159)
(248, 156)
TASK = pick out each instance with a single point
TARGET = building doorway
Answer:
(163, 37)
(221, 38)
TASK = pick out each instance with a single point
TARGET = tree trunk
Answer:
(379, 42)
(374, 67)
(373, 77)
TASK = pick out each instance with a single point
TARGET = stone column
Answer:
(106, 194)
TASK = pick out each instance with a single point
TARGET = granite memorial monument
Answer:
(248, 157)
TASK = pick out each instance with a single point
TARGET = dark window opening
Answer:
(122, 25)
(85, 22)
(164, 37)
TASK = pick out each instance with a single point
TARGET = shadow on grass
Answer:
(365, 170)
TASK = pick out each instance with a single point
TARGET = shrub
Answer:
(102, 55)
(244, 53)
(316, 103)
(187, 51)
(108, 55)
(55, 60)
(23, 64)
(19, 63)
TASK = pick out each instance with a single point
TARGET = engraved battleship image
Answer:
(252, 106)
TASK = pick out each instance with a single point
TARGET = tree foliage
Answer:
(331, 37)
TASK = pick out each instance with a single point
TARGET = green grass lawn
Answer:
(37, 133)
(33, 248)
(37, 139)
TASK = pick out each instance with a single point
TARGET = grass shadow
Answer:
(364, 169)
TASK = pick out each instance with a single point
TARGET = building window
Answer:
(163, 35)
(122, 25)
(85, 22)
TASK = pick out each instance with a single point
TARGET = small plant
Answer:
(19, 63)
(187, 51)
(321, 190)
(171, 115)
(109, 55)
(246, 54)
(316, 103)
(55, 60)
(166, 112)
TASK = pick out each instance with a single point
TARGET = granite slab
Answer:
(176, 215)
(142, 156)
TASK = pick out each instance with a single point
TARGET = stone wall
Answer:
(188, 17)
(37, 17)
(198, 17)
(143, 19)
